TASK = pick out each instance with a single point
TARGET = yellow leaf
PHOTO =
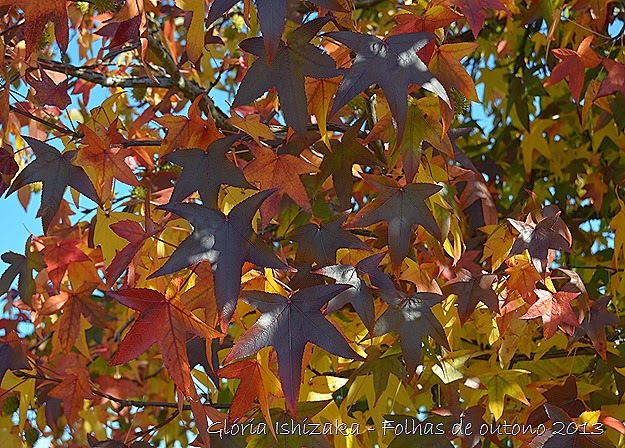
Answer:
(251, 125)
(500, 384)
(195, 34)
(319, 93)
(497, 245)
(104, 236)
(618, 224)
(26, 388)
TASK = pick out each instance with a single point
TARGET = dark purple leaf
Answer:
(288, 325)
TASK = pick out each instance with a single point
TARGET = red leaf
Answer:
(554, 309)
(165, 321)
(574, 64)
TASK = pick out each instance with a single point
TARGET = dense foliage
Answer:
(347, 223)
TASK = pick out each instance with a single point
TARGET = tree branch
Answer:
(120, 401)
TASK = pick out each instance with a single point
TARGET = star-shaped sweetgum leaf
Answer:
(205, 171)
(553, 437)
(12, 355)
(49, 93)
(73, 303)
(359, 296)
(401, 207)
(318, 243)
(539, 238)
(224, 241)
(594, 324)
(474, 11)
(136, 236)
(471, 290)
(191, 132)
(392, 63)
(164, 320)
(381, 281)
(282, 172)
(250, 389)
(553, 309)
(56, 171)
(412, 318)
(103, 154)
(36, 17)
(573, 63)
(272, 18)
(615, 81)
(339, 159)
(564, 397)
(58, 254)
(295, 59)
(288, 324)
(21, 266)
(73, 389)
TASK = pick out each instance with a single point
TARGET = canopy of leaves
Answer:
(357, 214)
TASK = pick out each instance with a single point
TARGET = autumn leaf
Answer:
(393, 64)
(103, 154)
(272, 17)
(554, 309)
(318, 243)
(445, 65)
(163, 320)
(412, 318)
(74, 304)
(339, 160)
(594, 324)
(252, 126)
(73, 389)
(425, 125)
(36, 17)
(400, 206)
(56, 171)
(12, 355)
(574, 64)
(573, 439)
(136, 236)
(293, 60)
(288, 325)
(205, 171)
(49, 93)
(382, 282)
(281, 172)
(320, 93)
(471, 290)
(358, 295)
(564, 397)
(500, 383)
(191, 132)
(250, 389)
(58, 255)
(539, 239)
(224, 241)
(475, 12)
(434, 17)
(614, 82)
(21, 267)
